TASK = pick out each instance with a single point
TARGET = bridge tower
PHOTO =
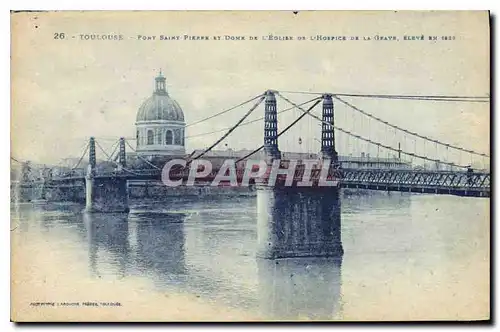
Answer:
(92, 156)
(327, 131)
(271, 127)
(296, 220)
(122, 160)
(107, 192)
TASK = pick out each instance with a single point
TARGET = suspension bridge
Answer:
(293, 220)
(447, 177)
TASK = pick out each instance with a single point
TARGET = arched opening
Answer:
(177, 139)
(168, 137)
(150, 137)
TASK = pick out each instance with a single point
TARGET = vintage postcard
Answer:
(250, 166)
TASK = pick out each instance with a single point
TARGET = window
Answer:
(137, 137)
(177, 140)
(150, 137)
(168, 137)
(182, 137)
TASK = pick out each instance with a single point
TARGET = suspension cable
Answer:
(406, 130)
(230, 130)
(115, 146)
(84, 147)
(199, 121)
(470, 99)
(483, 99)
(16, 160)
(82, 156)
(318, 99)
(251, 121)
(373, 142)
(140, 157)
(114, 162)
(223, 112)
(245, 123)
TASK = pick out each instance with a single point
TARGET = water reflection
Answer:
(107, 236)
(219, 245)
(120, 244)
(379, 202)
(159, 242)
(300, 288)
(394, 245)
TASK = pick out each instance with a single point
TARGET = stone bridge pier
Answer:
(296, 221)
(106, 194)
(70, 193)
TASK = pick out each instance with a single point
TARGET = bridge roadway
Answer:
(459, 183)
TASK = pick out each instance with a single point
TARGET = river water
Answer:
(406, 257)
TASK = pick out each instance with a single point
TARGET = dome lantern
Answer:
(160, 86)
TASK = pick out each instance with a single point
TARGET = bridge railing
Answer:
(436, 178)
(393, 177)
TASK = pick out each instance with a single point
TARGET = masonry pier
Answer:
(72, 192)
(298, 221)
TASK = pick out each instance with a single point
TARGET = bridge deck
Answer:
(474, 184)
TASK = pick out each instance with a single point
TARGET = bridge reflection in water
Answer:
(110, 234)
(160, 240)
(390, 242)
(161, 246)
(300, 288)
(150, 242)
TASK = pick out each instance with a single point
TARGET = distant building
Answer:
(160, 124)
(217, 157)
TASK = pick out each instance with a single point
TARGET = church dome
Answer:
(160, 106)
(160, 126)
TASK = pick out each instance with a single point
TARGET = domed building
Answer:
(160, 124)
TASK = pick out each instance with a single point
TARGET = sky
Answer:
(66, 90)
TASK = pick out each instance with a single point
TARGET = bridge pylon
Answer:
(122, 158)
(92, 157)
(328, 150)
(271, 127)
